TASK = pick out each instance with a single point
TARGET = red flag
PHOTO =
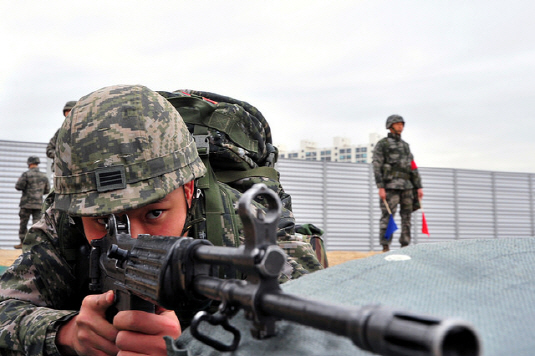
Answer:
(425, 230)
(413, 165)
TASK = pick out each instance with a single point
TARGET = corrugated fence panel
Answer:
(438, 206)
(475, 204)
(13, 157)
(513, 217)
(304, 182)
(531, 184)
(342, 199)
(350, 209)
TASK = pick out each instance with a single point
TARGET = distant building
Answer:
(341, 151)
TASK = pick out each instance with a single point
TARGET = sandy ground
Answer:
(8, 256)
(335, 257)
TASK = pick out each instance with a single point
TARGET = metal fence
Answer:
(342, 199)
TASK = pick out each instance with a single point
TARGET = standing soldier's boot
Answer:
(386, 248)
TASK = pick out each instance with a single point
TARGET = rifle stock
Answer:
(170, 270)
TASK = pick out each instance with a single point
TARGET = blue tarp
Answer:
(488, 282)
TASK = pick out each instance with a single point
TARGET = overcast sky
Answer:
(461, 73)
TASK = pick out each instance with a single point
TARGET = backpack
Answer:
(234, 142)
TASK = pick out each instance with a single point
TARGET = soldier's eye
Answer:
(154, 214)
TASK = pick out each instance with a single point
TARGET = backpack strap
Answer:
(232, 176)
(213, 206)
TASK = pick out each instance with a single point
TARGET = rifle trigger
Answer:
(217, 319)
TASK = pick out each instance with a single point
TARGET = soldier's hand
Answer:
(142, 333)
(89, 333)
(382, 193)
(420, 193)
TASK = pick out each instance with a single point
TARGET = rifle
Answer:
(167, 271)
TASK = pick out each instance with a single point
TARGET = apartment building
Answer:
(342, 150)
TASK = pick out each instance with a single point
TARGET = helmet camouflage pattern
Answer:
(392, 119)
(121, 147)
(33, 160)
(69, 105)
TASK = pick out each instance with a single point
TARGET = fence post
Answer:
(325, 197)
(531, 203)
(372, 190)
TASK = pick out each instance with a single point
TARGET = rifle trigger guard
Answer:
(214, 320)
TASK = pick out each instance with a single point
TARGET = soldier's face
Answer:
(165, 217)
(397, 127)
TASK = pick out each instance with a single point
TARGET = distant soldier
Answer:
(396, 176)
(51, 147)
(33, 184)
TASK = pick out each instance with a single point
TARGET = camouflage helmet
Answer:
(68, 106)
(121, 147)
(393, 119)
(33, 160)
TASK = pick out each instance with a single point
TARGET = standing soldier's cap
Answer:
(121, 147)
(33, 160)
(68, 106)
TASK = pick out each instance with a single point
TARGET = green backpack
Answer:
(234, 141)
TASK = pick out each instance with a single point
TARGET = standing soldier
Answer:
(396, 176)
(51, 147)
(33, 184)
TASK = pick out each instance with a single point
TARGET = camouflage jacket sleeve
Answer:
(378, 161)
(51, 147)
(416, 179)
(33, 295)
(47, 187)
(21, 182)
(301, 258)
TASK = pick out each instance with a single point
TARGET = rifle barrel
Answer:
(374, 328)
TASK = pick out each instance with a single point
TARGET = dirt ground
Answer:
(335, 257)
(8, 256)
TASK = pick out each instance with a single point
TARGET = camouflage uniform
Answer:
(33, 184)
(51, 147)
(393, 170)
(44, 287)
